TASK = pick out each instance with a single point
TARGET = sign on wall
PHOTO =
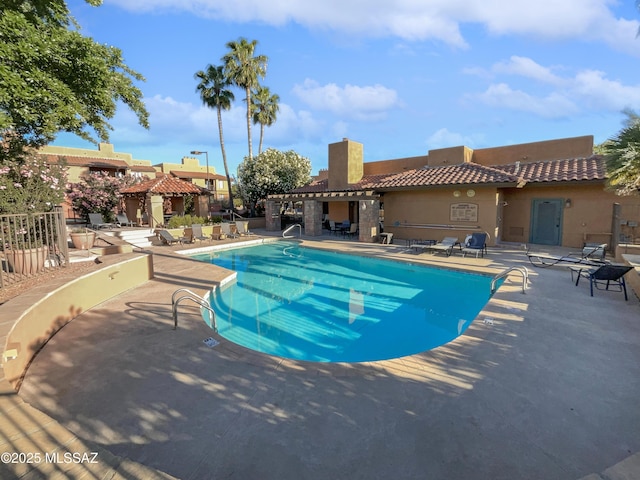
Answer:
(464, 212)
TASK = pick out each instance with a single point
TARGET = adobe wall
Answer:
(559, 149)
(588, 219)
(426, 214)
(395, 166)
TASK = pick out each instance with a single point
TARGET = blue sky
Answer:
(401, 77)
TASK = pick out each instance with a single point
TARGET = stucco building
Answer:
(550, 192)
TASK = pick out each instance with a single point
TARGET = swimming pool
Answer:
(309, 304)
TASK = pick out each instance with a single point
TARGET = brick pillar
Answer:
(312, 218)
(369, 220)
(272, 215)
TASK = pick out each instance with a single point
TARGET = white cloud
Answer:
(526, 67)
(441, 20)
(553, 105)
(367, 103)
(586, 90)
(444, 138)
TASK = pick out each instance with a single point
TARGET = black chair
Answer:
(604, 277)
(477, 244)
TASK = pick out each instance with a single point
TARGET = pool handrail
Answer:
(291, 227)
(194, 297)
(522, 270)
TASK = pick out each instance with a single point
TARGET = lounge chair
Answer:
(169, 239)
(476, 244)
(97, 222)
(544, 260)
(123, 221)
(243, 228)
(228, 231)
(216, 232)
(196, 233)
(445, 245)
(604, 277)
(595, 251)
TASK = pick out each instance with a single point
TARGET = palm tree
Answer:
(623, 157)
(244, 69)
(265, 107)
(214, 94)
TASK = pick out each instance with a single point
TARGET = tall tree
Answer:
(244, 69)
(623, 157)
(270, 173)
(214, 92)
(54, 79)
(265, 107)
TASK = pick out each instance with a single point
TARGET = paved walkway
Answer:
(542, 385)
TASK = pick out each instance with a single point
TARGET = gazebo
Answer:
(150, 197)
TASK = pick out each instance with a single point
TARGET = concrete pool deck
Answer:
(542, 385)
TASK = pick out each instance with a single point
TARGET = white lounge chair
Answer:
(445, 245)
(228, 231)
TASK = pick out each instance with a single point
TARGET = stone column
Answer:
(369, 220)
(155, 210)
(201, 204)
(312, 218)
(272, 215)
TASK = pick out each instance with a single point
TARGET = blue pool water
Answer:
(308, 304)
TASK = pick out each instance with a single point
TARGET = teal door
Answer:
(546, 221)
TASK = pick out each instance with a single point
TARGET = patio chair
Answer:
(243, 228)
(445, 245)
(333, 228)
(169, 239)
(476, 243)
(228, 231)
(603, 277)
(353, 230)
(123, 221)
(216, 232)
(196, 233)
(97, 222)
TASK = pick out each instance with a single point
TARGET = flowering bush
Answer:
(98, 192)
(30, 185)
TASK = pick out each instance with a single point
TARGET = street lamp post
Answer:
(198, 152)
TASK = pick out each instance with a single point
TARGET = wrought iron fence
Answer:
(31, 244)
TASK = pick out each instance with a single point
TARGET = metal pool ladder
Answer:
(194, 297)
(288, 229)
(522, 270)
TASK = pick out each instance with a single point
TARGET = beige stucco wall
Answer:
(450, 156)
(425, 214)
(395, 166)
(558, 149)
(345, 164)
(589, 219)
(50, 312)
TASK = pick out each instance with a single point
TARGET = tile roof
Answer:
(573, 169)
(165, 185)
(569, 170)
(319, 186)
(462, 174)
(201, 175)
(92, 162)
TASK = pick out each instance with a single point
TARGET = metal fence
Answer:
(31, 244)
